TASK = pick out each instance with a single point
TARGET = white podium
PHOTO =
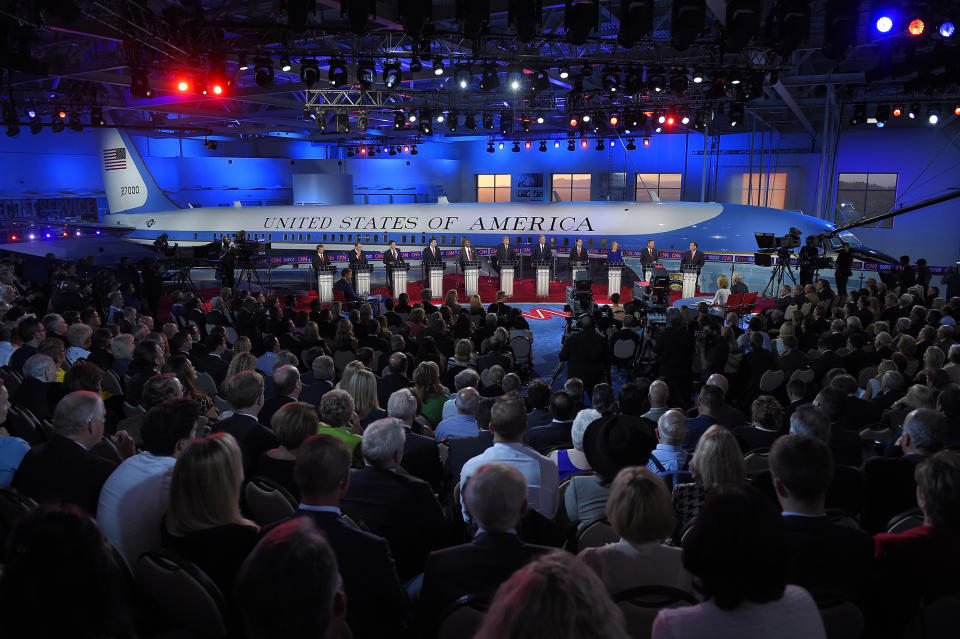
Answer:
(506, 277)
(543, 279)
(471, 278)
(398, 278)
(647, 272)
(363, 279)
(435, 278)
(690, 275)
(325, 284)
(614, 275)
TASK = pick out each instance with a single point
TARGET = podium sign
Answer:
(690, 275)
(506, 276)
(435, 278)
(543, 279)
(398, 278)
(362, 272)
(471, 278)
(614, 275)
(325, 283)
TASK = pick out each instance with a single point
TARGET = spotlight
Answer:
(556, 144)
(425, 122)
(463, 76)
(540, 118)
(285, 65)
(217, 88)
(56, 125)
(61, 113)
(263, 72)
(882, 114)
(506, 124)
(956, 110)
(487, 121)
(916, 27)
(678, 82)
(646, 141)
(614, 119)
(406, 148)
(587, 70)
(671, 119)
(183, 85)
(564, 72)
(912, 113)
(586, 117)
(662, 118)
(96, 117)
(413, 150)
(583, 144)
(742, 23)
(880, 124)
(309, 72)
(452, 121)
(500, 146)
(541, 80)
(859, 114)
(611, 79)
(489, 79)
(634, 81)
(527, 145)
(242, 62)
(884, 24)
(438, 69)
(571, 146)
(490, 148)
(412, 117)
(36, 126)
(140, 84)
(440, 118)
(516, 147)
(393, 150)
(636, 21)
(13, 130)
(574, 121)
(391, 74)
(736, 113)
(600, 146)
(362, 121)
(525, 123)
(933, 117)
(366, 72)
(469, 122)
(698, 77)
(415, 65)
(947, 29)
(337, 73)
(630, 145)
(363, 150)
(685, 119)
(686, 24)
(658, 81)
(580, 17)
(897, 111)
(515, 77)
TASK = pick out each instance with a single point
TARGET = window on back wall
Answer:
(570, 187)
(765, 190)
(493, 187)
(666, 187)
(863, 195)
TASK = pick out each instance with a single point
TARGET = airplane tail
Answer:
(129, 186)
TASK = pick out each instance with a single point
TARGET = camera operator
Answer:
(228, 260)
(586, 354)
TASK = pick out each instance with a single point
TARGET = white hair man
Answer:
(464, 423)
(467, 378)
(78, 336)
(669, 457)
(659, 395)
(400, 508)
(421, 455)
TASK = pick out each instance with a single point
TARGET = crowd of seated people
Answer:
(757, 469)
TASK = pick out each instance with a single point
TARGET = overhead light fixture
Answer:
(587, 70)
(859, 114)
(516, 147)
(392, 74)
(463, 75)
(614, 119)
(914, 109)
(438, 69)
(412, 117)
(947, 29)
(452, 123)
(686, 23)
(684, 119)
(399, 121)
(933, 117)
(897, 110)
(366, 73)
(586, 117)
(56, 124)
(600, 146)
(564, 72)
(362, 121)
(841, 22)
(657, 81)
(580, 17)
(515, 76)
(636, 21)
(140, 84)
(527, 145)
(413, 150)
(574, 121)
(309, 72)
(490, 78)
(242, 62)
(678, 82)
(583, 144)
(487, 121)
(570, 145)
(263, 72)
(540, 118)
(506, 123)
(490, 148)
(630, 145)
(646, 141)
(96, 117)
(526, 122)
(883, 113)
(742, 23)
(75, 123)
(285, 65)
(426, 122)
(543, 146)
(541, 80)
(469, 122)
(415, 65)
(697, 76)
(337, 73)
(611, 79)
(884, 23)
(916, 27)
(736, 114)
(440, 117)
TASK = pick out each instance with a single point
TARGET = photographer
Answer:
(587, 354)
(712, 351)
(228, 261)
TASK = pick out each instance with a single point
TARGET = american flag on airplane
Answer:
(115, 159)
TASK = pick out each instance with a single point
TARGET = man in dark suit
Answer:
(392, 256)
(844, 270)
(467, 254)
(692, 257)
(538, 400)
(421, 455)
(857, 413)
(31, 334)
(827, 558)
(63, 469)
(323, 373)
(675, 357)
(541, 251)
(808, 256)
(400, 508)
(827, 361)
(586, 354)
(245, 395)
(649, 255)
(792, 359)
(394, 379)
(578, 253)
(286, 389)
(557, 432)
(891, 389)
(504, 253)
(844, 442)
(431, 255)
(495, 497)
(357, 257)
(345, 286)
(318, 260)
(756, 362)
(40, 389)
(213, 362)
(322, 474)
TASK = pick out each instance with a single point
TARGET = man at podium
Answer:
(467, 254)
(578, 253)
(392, 256)
(542, 251)
(356, 256)
(693, 257)
(319, 260)
(431, 254)
(649, 255)
(504, 253)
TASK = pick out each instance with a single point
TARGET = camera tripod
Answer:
(250, 272)
(781, 268)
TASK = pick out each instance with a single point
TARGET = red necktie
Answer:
(468, 256)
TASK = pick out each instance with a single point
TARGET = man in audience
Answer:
(797, 394)
(495, 497)
(324, 371)
(767, 424)
(892, 388)
(286, 389)
(844, 442)
(40, 389)
(557, 432)
(63, 469)
(377, 602)
(709, 403)
(467, 378)
(846, 490)
(78, 337)
(827, 558)
(394, 379)
(586, 354)
(508, 423)
(31, 334)
(421, 455)
(134, 498)
(158, 389)
(792, 358)
(245, 395)
(214, 362)
(726, 415)
(464, 423)
(857, 412)
(289, 585)
(659, 395)
(575, 389)
(669, 454)
(400, 508)
(538, 400)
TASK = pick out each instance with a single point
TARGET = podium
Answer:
(614, 275)
(543, 278)
(362, 271)
(579, 270)
(325, 283)
(435, 279)
(398, 277)
(647, 272)
(507, 268)
(471, 278)
(690, 276)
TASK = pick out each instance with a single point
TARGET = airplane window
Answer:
(590, 242)
(443, 239)
(529, 240)
(195, 236)
(376, 238)
(341, 237)
(566, 241)
(309, 236)
(403, 239)
(324, 237)
(300, 237)
(519, 241)
(350, 237)
(423, 239)
(270, 236)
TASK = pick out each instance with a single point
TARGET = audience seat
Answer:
(757, 460)
(206, 384)
(13, 505)
(11, 379)
(111, 383)
(641, 604)
(267, 501)
(597, 533)
(522, 352)
(841, 619)
(184, 596)
(341, 359)
(463, 617)
(937, 619)
(905, 521)
(131, 410)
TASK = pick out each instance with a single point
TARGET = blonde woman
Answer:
(875, 383)
(242, 345)
(203, 523)
(240, 362)
(292, 424)
(723, 292)
(717, 461)
(348, 372)
(362, 386)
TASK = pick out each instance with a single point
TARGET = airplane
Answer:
(141, 212)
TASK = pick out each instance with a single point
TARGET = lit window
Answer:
(571, 187)
(493, 187)
(765, 190)
(864, 195)
(665, 186)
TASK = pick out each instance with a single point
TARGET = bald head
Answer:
(719, 381)
(467, 401)
(658, 394)
(672, 427)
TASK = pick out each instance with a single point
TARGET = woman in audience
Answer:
(242, 345)
(427, 351)
(737, 553)
(572, 461)
(292, 424)
(451, 301)
(716, 462)
(203, 523)
(121, 348)
(875, 383)
(477, 310)
(463, 358)
(348, 372)
(463, 326)
(555, 596)
(183, 368)
(242, 361)
(415, 322)
(723, 292)
(933, 358)
(343, 339)
(338, 418)
(426, 380)
(363, 388)
(311, 335)
(403, 304)
(62, 580)
(640, 512)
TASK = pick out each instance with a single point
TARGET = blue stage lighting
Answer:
(884, 24)
(947, 29)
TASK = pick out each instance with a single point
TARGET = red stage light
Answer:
(614, 120)
(363, 150)
(526, 144)
(916, 27)
(574, 121)
(583, 144)
(217, 89)
(182, 85)
(670, 120)
(897, 112)
(62, 115)
(646, 141)
(406, 148)
(13, 237)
